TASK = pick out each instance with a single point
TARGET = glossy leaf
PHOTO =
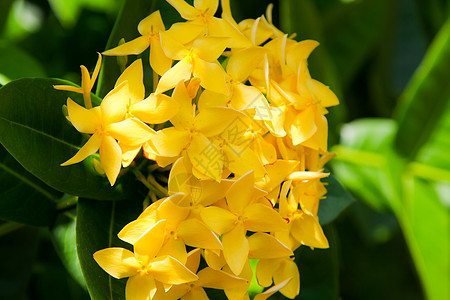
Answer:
(64, 240)
(359, 159)
(423, 217)
(98, 223)
(336, 201)
(23, 197)
(34, 130)
(425, 98)
(426, 225)
(132, 12)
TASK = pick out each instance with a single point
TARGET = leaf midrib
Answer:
(40, 132)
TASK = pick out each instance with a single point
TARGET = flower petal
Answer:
(171, 141)
(135, 229)
(303, 127)
(242, 63)
(140, 287)
(288, 270)
(150, 242)
(91, 146)
(131, 131)
(136, 46)
(151, 23)
(266, 294)
(155, 109)
(174, 248)
(217, 279)
(168, 270)
(196, 234)
(186, 11)
(224, 28)
(185, 115)
(210, 48)
(181, 71)
(159, 62)
(110, 158)
(212, 76)
(197, 293)
(117, 262)
(307, 230)
(229, 123)
(265, 270)
(240, 194)
(173, 213)
(235, 249)
(241, 160)
(206, 157)
(263, 245)
(260, 217)
(114, 105)
(84, 120)
(129, 153)
(218, 219)
(134, 74)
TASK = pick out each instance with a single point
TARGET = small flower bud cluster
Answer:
(246, 136)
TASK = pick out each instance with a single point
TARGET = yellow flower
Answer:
(86, 83)
(199, 60)
(149, 28)
(202, 13)
(193, 134)
(105, 123)
(244, 213)
(180, 230)
(283, 272)
(208, 278)
(144, 267)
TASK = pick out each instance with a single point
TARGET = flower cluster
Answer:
(245, 132)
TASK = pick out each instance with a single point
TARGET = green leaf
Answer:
(338, 199)
(423, 103)
(359, 159)
(426, 225)
(17, 254)
(423, 216)
(64, 240)
(34, 130)
(132, 12)
(23, 197)
(98, 223)
(16, 63)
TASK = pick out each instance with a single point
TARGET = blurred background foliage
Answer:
(389, 63)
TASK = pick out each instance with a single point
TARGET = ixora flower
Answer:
(144, 267)
(239, 127)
